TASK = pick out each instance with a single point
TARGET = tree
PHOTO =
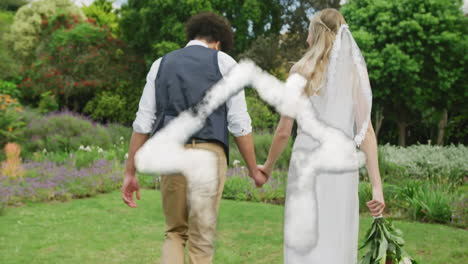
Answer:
(157, 27)
(413, 51)
(104, 14)
(77, 61)
(296, 20)
(12, 5)
(29, 21)
(8, 67)
(251, 19)
(266, 53)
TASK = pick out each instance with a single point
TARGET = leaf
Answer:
(370, 234)
(383, 260)
(382, 253)
(366, 259)
(392, 236)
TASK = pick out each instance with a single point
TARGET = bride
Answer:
(338, 88)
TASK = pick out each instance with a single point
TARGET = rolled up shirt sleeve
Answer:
(146, 115)
(239, 122)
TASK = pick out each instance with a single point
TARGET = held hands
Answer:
(259, 177)
(377, 204)
(129, 186)
(267, 170)
(263, 174)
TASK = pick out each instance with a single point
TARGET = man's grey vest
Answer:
(183, 78)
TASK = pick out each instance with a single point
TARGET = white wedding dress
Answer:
(343, 102)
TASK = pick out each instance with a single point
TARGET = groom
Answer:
(176, 82)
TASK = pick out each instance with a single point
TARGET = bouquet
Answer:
(384, 244)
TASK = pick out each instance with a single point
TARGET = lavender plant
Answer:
(44, 181)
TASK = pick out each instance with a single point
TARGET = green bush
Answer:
(106, 107)
(65, 132)
(239, 189)
(424, 162)
(264, 117)
(119, 134)
(78, 60)
(391, 194)
(9, 88)
(131, 91)
(48, 103)
(429, 203)
(239, 186)
(365, 195)
(150, 181)
(262, 146)
(11, 121)
(9, 66)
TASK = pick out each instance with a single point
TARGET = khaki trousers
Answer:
(179, 228)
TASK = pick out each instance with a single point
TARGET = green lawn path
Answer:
(103, 230)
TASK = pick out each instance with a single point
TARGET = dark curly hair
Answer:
(211, 27)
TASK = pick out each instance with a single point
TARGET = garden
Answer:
(71, 78)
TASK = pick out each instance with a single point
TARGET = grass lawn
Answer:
(103, 230)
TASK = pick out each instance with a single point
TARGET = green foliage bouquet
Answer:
(385, 244)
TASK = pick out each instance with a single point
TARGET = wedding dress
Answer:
(344, 102)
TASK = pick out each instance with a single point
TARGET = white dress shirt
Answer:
(239, 122)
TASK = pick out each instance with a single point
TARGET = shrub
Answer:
(11, 120)
(9, 88)
(239, 186)
(262, 146)
(106, 107)
(239, 189)
(274, 191)
(264, 118)
(102, 12)
(76, 61)
(44, 181)
(423, 162)
(365, 195)
(131, 91)
(150, 181)
(119, 133)
(9, 67)
(391, 193)
(48, 103)
(30, 21)
(65, 132)
(430, 203)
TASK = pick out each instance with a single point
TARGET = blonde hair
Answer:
(323, 28)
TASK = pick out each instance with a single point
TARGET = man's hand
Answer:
(130, 185)
(259, 177)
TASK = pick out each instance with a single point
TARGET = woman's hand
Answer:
(267, 170)
(377, 204)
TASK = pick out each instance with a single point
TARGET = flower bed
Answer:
(45, 181)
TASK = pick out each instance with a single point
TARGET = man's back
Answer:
(183, 78)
